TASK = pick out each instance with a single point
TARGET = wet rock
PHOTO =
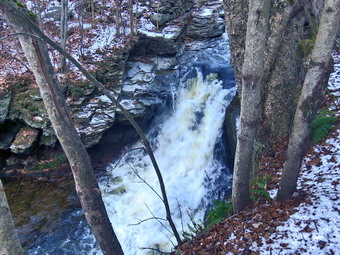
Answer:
(207, 21)
(27, 233)
(167, 10)
(146, 85)
(27, 106)
(93, 117)
(5, 100)
(25, 141)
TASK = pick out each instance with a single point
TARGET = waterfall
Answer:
(184, 150)
(188, 145)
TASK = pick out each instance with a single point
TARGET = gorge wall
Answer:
(140, 75)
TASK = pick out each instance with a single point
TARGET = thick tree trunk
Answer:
(313, 92)
(86, 185)
(9, 242)
(252, 89)
(63, 33)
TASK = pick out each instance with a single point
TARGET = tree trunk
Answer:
(40, 23)
(313, 92)
(9, 242)
(132, 29)
(252, 88)
(63, 33)
(117, 14)
(86, 184)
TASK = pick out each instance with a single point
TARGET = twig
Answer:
(136, 173)
(139, 148)
(157, 219)
(180, 214)
(142, 221)
(316, 226)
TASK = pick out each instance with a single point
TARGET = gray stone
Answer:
(5, 101)
(25, 141)
(206, 22)
(159, 19)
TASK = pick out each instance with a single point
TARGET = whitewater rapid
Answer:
(184, 149)
(189, 146)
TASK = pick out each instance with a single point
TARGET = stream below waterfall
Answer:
(189, 145)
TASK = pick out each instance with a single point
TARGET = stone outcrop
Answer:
(207, 22)
(141, 76)
(167, 10)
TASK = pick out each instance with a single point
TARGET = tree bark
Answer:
(132, 29)
(40, 22)
(252, 89)
(313, 92)
(117, 14)
(86, 184)
(63, 33)
(9, 242)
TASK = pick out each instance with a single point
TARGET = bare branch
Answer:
(142, 221)
(157, 219)
(125, 153)
(137, 174)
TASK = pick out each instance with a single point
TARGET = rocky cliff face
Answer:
(141, 76)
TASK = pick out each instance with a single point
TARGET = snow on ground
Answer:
(315, 227)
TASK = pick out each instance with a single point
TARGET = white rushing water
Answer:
(184, 149)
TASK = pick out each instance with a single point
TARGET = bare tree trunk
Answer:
(132, 29)
(92, 12)
(136, 17)
(252, 89)
(9, 242)
(63, 33)
(40, 23)
(86, 184)
(117, 14)
(313, 92)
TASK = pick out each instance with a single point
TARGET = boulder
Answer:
(25, 141)
(92, 118)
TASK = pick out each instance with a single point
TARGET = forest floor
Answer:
(309, 223)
